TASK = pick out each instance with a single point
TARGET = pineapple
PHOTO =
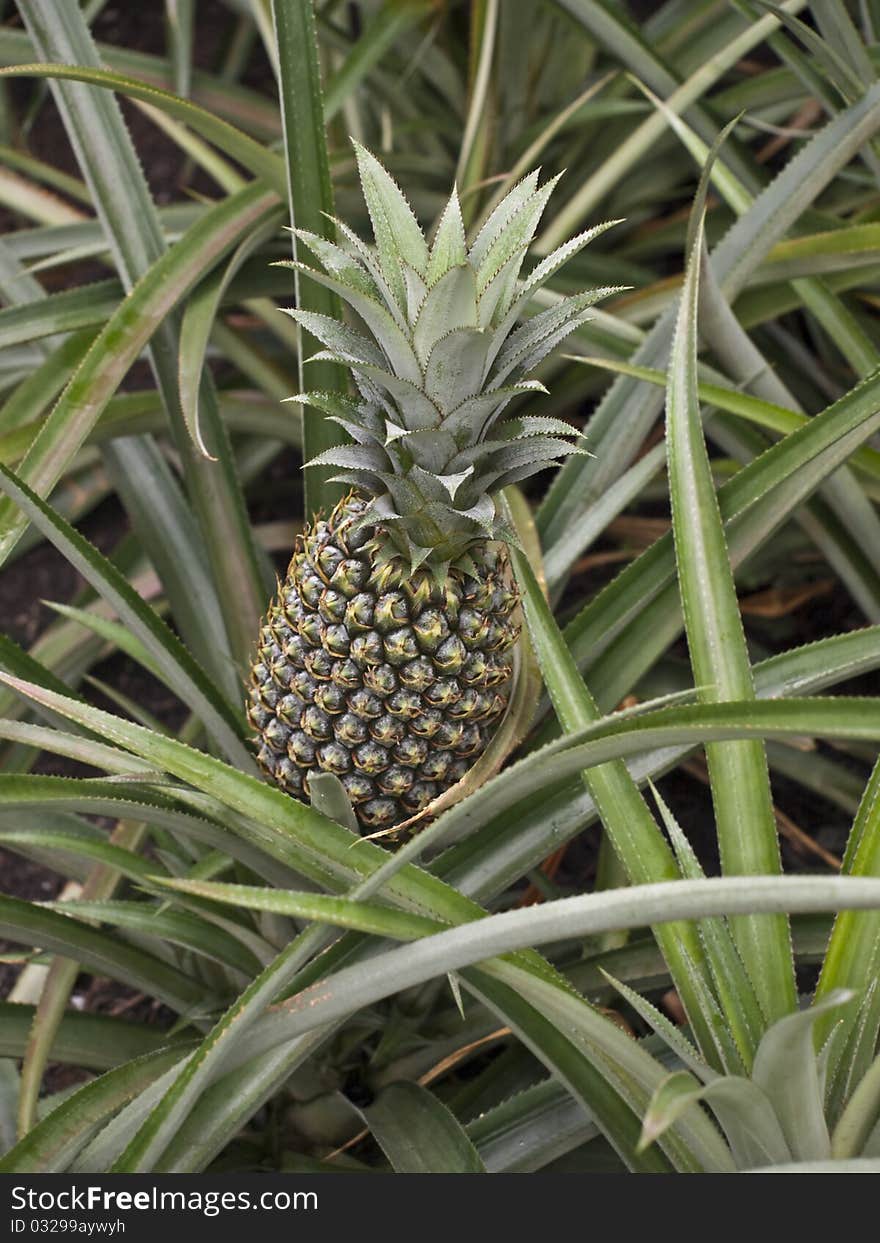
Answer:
(385, 657)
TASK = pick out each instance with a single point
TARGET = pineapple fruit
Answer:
(385, 656)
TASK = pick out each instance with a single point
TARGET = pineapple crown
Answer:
(442, 356)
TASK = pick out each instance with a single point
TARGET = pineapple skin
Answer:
(390, 680)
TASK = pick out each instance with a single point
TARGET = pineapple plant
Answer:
(186, 904)
(385, 657)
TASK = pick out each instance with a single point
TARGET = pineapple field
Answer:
(439, 654)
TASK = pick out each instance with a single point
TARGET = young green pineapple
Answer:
(385, 657)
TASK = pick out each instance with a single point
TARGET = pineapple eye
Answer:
(290, 709)
(336, 640)
(311, 589)
(279, 634)
(391, 610)
(387, 730)
(379, 813)
(473, 627)
(281, 673)
(311, 628)
(269, 651)
(450, 655)
(405, 703)
(366, 649)
(426, 724)
(274, 733)
(359, 611)
(295, 651)
(258, 716)
(400, 646)
(356, 540)
(488, 708)
(453, 598)
(316, 723)
(382, 679)
(436, 766)
(293, 607)
(271, 695)
(327, 560)
(346, 674)
(443, 694)
(288, 775)
(349, 576)
(364, 704)
(330, 698)
(503, 601)
(411, 751)
(301, 683)
(418, 674)
(497, 671)
(449, 735)
(301, 749)
(319, 663)
(420, 591)
(349, 539)
(471, 742)
(333, 758)
(420, 795)
(351, 730)
(498, 638)
(267, 758)
(479, 595)
(431, 628)
(370, 758)
(358, 787)
(396, 781)
(332, 606)
(465, 708)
